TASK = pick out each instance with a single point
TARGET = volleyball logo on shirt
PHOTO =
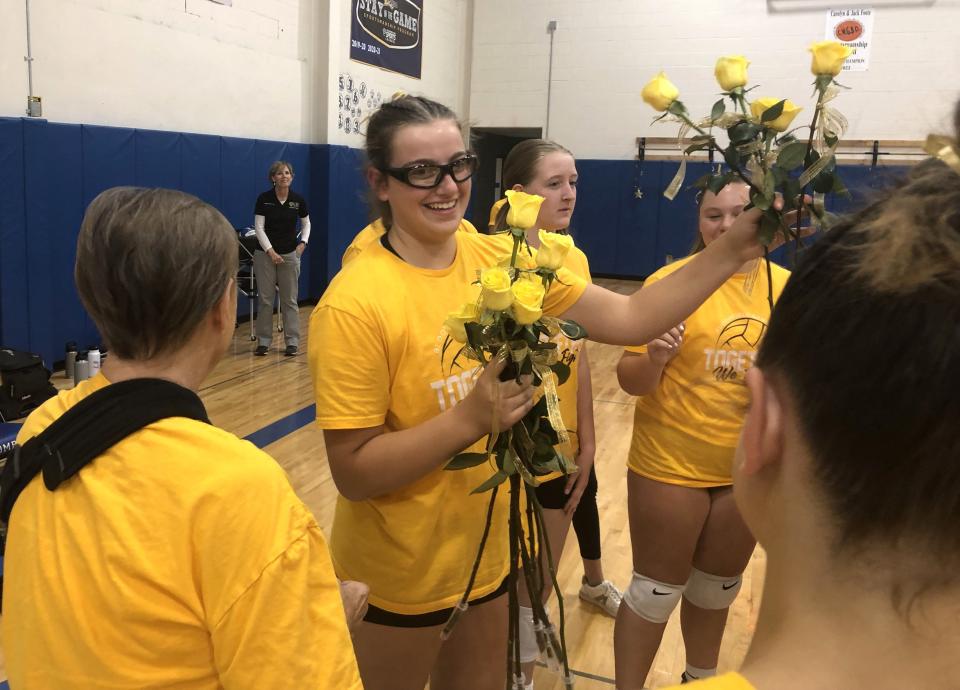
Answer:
(736, 348)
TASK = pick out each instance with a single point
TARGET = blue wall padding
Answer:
(14, 310)
(239, 182)
(109, 158)
(346, 190)
(200, 167)
(157, 160)
(49, 173)
(54, 161)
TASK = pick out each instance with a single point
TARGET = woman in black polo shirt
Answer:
(275, 220)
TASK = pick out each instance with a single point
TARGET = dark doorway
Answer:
(492, 144)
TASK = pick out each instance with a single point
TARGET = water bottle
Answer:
(81, 368)
(69, 359)
(93, 356)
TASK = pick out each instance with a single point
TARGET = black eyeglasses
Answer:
(429, 175)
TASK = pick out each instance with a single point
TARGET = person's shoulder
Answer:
(218, 456)
(296, 198)
(366, 236)
(779, 273)
(361, 280)
(467, 226)
(669, 268)
(265, 196)
(53, 408)
(577, 262)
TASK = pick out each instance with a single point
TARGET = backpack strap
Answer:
(90, 428)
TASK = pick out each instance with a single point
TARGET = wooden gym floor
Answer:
(269, 399)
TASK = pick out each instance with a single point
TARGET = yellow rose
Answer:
(660, 93)
(828, 57)
(495, 283)
(456, 321)
(524, 209)
(553, 249)
(790, 110)
(731, 71)
(527, 301)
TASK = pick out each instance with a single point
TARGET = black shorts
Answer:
(424, 620)
(551, 496)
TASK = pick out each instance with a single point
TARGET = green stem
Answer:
(766, 259)
(538, 510)
(464, 600)
(513, 637)
(813, 130)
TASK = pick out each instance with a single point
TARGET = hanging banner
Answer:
(388, 34)
(853, 28)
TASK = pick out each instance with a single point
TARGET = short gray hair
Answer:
(151, 264)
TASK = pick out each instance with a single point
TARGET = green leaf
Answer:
(677, 108)
(823, 182)
(718, 182)
(573, 330)
(769, 225)
(743, 132)
(769, 186)
(526, 366)
(791, 156)
(760, 200)
(839, 187)
(773, 112)
(562, 371)
(732, 156)
(823, 81)
(466, 460)
(474, 335)
(701, 182)
(791, 193)
(699, 146)
(495, 480)
(719, 108)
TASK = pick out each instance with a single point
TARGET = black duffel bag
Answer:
(24, 383)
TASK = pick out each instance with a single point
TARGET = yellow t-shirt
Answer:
(728, 681)
(181, 558)
(685, 432)
(375, 357)
(495, 209)
(569, 350)
(375, 230)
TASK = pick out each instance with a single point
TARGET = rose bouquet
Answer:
(763, 149)
(507, 320)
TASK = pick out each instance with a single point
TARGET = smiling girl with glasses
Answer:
(394, 413)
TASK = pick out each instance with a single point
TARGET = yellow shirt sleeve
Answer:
(288, 627)
(349, 368)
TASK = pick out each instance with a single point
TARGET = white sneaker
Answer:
(604, 596)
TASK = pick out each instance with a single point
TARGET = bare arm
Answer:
(371, 462)
(642, 316)
(639, 372)
(586, 433)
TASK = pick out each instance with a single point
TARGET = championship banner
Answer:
(388, 34)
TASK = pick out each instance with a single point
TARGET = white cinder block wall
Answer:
(259, 68)
(182, 65)
(605, 51)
